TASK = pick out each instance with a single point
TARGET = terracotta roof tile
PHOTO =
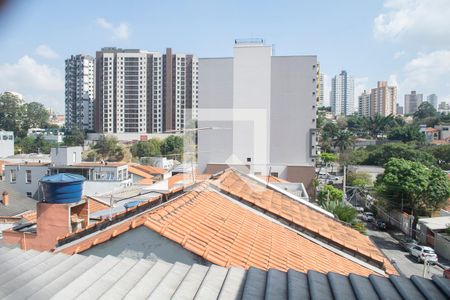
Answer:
(297, 213)
(228, 234)
(149, 169)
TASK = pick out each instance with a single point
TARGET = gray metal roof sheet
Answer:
(34, 275)
(18, 202)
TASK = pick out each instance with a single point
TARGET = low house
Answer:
(231, 219)
(14, 206)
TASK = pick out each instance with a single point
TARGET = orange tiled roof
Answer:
(132, 169)
(299, 214)
(228, 234)
(146, 181)
(150, 169)
(273, 179)
(186, 176)
(431, 129)
(95, 205)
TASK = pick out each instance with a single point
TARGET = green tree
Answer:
(329, 193)
(442, 155)
(358, 179)
(109, 149)
(148, 148)
(382, 154)
(357, 125)
(74, 137)
(30, 144)
(406, 133)
(425, 110)
(172, 145)
(413, 186)
(11, 114)
(344, 140)
(377, 125)
(36, 115)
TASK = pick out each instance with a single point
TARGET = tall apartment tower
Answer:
(80, 90)
(364, 104)
(433, 99)
(265, 108)
(342, 94)
(383, 99)
(321, 95)
(412, 102)
(144, 92)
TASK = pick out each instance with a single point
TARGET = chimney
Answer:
(5, 199)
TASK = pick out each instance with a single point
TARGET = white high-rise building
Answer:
(342, 94)
(412, 102)
(433, 99)
(364, 104)
(145, 92)
(80, 91)
(264, 107)
(321, 91)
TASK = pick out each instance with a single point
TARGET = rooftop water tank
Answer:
(62, 188)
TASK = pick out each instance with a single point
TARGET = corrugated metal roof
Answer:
(18, 202)
(43, 275)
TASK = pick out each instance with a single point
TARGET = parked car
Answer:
(446, 273)
(368, 217)
(381, 225)
(406, 243)
(359, 209)
(423, 252)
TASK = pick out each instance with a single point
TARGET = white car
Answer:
(368, 217)
(422, 252)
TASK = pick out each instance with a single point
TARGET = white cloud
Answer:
(414, 19)
(37, 82)
(399, 54)
(429, 70)
(119, 32)
(46, 52)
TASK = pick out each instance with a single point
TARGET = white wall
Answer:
(6, 143)
(37, 172)
(62, 156)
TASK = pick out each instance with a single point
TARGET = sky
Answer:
(406, 42)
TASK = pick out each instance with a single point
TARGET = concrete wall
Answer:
(6, 143)
(143, 243)
(37, 172)
(293, 110)
(442, 245)
(62, 156)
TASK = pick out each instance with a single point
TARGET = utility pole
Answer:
(344, 180)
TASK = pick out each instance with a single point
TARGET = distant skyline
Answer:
(406, 42)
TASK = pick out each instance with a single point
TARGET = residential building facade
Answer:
(342, 94)
(265, 108)
(6, 143)
(412, 102)
(383, 99)
(144, 92)
(321, 95)
(433, 100)
(80, 91)
(364, 104)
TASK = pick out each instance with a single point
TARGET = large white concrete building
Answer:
(144, 92)
(364, 104)
(262, 112)
(412, 102)
(80, 92)
(342, 94)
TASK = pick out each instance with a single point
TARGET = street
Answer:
(403, 260)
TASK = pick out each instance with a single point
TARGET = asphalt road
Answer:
(403, 260)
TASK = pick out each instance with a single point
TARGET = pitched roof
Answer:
(299, 214)
(132, 169)
(18, 203)
(272, 179)
(60, 276)
(228, 234)
(150, 169)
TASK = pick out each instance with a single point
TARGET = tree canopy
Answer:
(148, 148)
(108, 148)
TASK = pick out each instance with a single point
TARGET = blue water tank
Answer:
(62, 188)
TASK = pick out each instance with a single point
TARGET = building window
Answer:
(13, 174)
(29, 194)
(275, 174)
(28, 176)
(249, 159)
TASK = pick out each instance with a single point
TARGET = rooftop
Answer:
(18, 203)
(43, 275)
(149, 169)
(436, 223)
